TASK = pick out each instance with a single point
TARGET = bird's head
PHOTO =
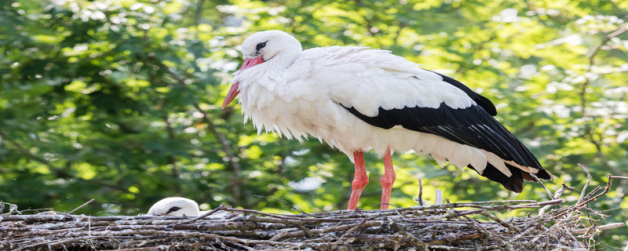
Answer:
(174, 206)
(273, 47)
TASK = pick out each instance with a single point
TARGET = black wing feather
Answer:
(471, 126)
(479, 99)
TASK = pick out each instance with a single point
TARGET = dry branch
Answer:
(451, 226)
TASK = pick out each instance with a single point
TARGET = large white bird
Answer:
(174, 206)
(357, 99)
(179, 206)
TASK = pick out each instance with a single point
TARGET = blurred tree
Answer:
(119, 100)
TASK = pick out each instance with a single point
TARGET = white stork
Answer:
(179, 206)
(174, 206)
(357, 99)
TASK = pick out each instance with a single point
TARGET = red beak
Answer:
(234, 91)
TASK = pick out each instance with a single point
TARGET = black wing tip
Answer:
(515, 181)
(515, 185)
(544, 174)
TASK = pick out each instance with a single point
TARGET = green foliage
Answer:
(120, 100)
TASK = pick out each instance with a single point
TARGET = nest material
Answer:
(452, 226)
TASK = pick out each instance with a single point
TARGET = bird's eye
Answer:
(172, 209)
(260, 46)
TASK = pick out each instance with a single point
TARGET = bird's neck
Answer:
(281, 62)
(268, 75)
(270, 71)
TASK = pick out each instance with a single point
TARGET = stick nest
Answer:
(451, 226)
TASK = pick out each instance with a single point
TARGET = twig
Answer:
(584, 189)
(81, 206)
(557, 195)
(623, 28)
(279, 236)
(420, 199)
(351, 230)
(598, 229)
(595, 196)
(492, 217)
(414, 239)
(537, 180)
(213, 211)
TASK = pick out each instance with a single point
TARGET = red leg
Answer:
(387, 180)
(359, 180)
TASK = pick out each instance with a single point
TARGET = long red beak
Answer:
(235, 88)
